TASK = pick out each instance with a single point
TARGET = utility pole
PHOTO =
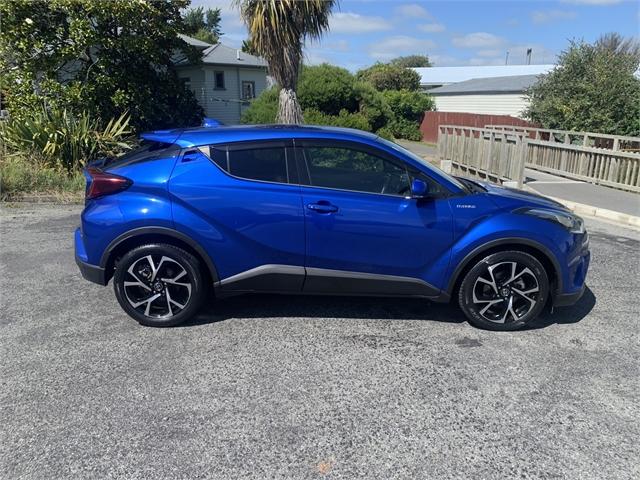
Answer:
(506, 58)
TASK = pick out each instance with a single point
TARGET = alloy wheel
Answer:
(157, 286)
(505, 292)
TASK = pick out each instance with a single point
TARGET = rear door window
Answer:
(265, 162)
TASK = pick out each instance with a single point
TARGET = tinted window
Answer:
(348, 169)
(146, 151)
(268, 164)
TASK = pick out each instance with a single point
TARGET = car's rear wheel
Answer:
(159, 285)
(504, 291)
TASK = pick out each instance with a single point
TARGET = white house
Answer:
(225, 81)
(432, 77)
(489, 96)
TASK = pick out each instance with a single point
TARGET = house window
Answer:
(186, 81)
(248, 90)
(219, 80)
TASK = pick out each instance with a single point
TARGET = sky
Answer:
(453, 32)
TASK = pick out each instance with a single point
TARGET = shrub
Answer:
(385, 132)
(408, 105)
(19, 175)
(328, 89)
(390, 77)
(63, 140)
(343, 119)
(373, 106)
(402, 128)
(262, 109)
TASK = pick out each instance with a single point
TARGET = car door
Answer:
(242, 203)
(364, 232)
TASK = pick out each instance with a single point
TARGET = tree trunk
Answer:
(289, 111)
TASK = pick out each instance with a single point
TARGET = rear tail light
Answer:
(104, 183)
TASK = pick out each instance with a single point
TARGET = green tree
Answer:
(330, 95)
(104, 58)
(411, 61)
(278, 30)
(249, 47)
(327, 89)
(616, 43)
(593, 88)
(203, 24)
(390, 77)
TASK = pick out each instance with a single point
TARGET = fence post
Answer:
(522, 158)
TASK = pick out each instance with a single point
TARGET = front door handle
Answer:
(322, 207)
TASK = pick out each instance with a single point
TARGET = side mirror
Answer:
(419, 188)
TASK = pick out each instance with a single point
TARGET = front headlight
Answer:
(571, 222)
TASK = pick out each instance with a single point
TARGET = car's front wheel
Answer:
(159, 285)
(504, 291)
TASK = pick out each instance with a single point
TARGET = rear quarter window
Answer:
(145, 152)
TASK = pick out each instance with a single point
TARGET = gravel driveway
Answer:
(309, 387)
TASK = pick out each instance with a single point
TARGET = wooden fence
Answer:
(500, 153)
(479, 152)
(595, 165)
(585, 139)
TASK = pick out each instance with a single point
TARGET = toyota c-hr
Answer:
(212, 212)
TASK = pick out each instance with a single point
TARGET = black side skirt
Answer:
(296, 279)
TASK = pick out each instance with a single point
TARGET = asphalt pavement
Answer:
(309, 387)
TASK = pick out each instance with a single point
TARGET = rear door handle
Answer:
(322, 207)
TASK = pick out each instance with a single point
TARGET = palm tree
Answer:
(278, 30)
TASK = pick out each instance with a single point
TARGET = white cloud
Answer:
(432, 27)
(315, 58)
(412, 10)
(349, 22)
(444, 60)
(395, 46)
(478, 40)
(540, 17)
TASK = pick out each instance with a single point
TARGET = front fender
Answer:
(551, 240)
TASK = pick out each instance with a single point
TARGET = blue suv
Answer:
(212, 212)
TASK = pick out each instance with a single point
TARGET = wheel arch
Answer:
(536, 249)
(144, 235)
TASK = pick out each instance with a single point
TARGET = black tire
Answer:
(177, 282)
(503, 302)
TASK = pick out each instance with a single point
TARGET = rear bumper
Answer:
(90, 272)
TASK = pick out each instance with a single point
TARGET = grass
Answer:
(24, 178)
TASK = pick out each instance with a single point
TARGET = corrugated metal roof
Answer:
(221, 54)
(446, 75)
(194, 41)
(510, 84)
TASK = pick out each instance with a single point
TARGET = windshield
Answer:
(422, 161)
